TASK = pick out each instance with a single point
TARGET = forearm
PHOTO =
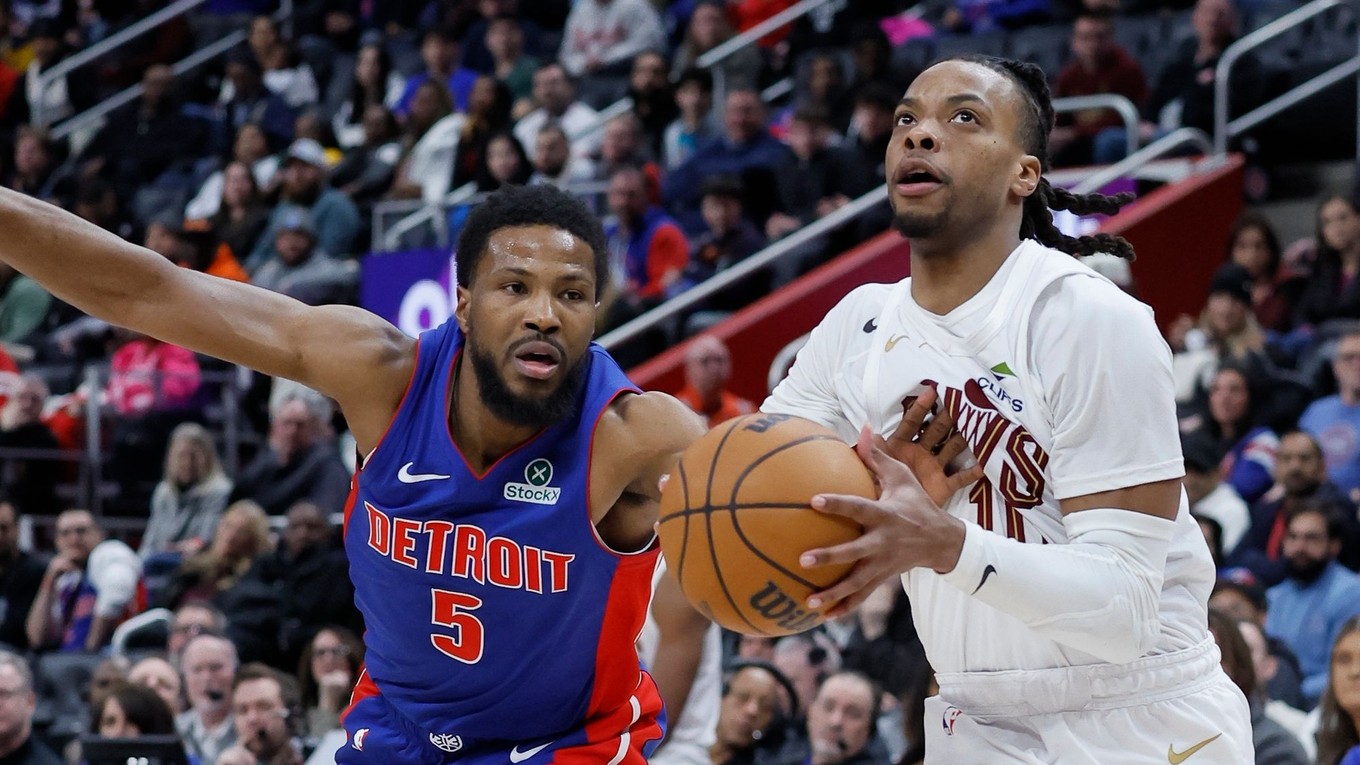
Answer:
(101, 627)
(1099, 593)
(36, 625)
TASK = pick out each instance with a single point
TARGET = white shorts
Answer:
(1174, 708)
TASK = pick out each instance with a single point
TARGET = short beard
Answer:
(510, 407)
(1305, 573)
(915, 226)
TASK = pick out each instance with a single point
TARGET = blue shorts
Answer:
(376, 733)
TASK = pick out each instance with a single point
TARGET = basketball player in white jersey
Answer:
(1061, 596)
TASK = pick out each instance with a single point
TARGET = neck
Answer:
(945, 273)
(213, 716)
(720, 752)
(1350, 396)
(482, 437)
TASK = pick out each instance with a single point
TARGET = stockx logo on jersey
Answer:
(537, 474)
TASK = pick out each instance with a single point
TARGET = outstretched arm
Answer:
(680, 645)
(347, 353)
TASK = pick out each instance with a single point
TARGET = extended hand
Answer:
(903, 528)
(928, 448)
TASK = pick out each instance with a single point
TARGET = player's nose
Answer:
(540, 313)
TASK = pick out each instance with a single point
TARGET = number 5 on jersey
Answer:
(450, 609)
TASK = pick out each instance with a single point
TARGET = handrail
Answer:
(1173, 140)
(1305, 90)
(737, 42)
(1240, 48)
(195, 59)
(1113, 101)
(738, 271)
(391, 239)
(115, 40)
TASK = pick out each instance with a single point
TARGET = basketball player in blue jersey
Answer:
(500, 528)
(1062, 597)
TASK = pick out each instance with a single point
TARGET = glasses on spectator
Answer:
(338, 651)
(1348, 357)
(192, 630)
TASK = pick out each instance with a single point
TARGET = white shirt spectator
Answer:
(607, 32)
(1224, 506)
(576, 121)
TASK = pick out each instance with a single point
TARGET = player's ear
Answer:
(460, 311)
(1026, 179)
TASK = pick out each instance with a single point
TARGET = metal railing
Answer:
(750, 36)
(1127, 111)
(738, 271)
(1224, 130)
(197, 58)
(1153, 151)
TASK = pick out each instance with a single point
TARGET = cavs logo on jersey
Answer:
(537, 474)
(1014, 461)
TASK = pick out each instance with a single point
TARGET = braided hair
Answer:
(1037, 219)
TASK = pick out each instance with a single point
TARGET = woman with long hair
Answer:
(374, 82)
(190, 497)
(709, 27)
(1333, 290)
(1232, 416)
(488, 113)
(1253, 245)
(128, 710)
(1338, 736)
(243, 215)
(242, 537)
(326, 674)
(503, 162)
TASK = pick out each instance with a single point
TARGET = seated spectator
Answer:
(334, 216)
(504, 161)
(1332, 292)
(190, 498)
(728, 237)
(603, 36)
(207, 728)
(871, 126)
(1266, 666)
(97, 202)
(695, 125)
(817, 177)
(242, 537)
(1226, 331)
(143, 139)
(746, 149)
(262, 701)
(131, 710)
(840, 724)
(488, 113)
(252, 102)
(285, 73)
(250, 149)
(300, 268)
(188, 622)
(806, 660)
(441, 53)
(35, 170)
(368, 168)
(653, 98)
(23, 305)
(553, 161)
(194, 244)
(1245, 600)
(1232, 418)
(1335, 420)
(647, 250)
(158, 674)
(1300, 476)
(429, 141)
(69, 95)
(622, 144)
(21, 575)
(30, 482)
(882, 642)
(756, 703)
(148, 375)
(308, 578)
(1098, 65)
(1211, 496)
(1308, 608)
(1338, 742)
(708, 28)
(556, 98)
(708, 368)
(327, 672)
(89, 588)
(299, 460)
(373, 83)
(17, 743)
(1275, 291)
(511, 65)
(1271, 741)
(825, 91)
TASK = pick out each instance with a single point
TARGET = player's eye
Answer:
(573, 295)
(514, 288)
(903, 119)
(965, 116)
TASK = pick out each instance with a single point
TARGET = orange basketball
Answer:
(735, 517)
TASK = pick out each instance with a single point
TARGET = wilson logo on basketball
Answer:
(537, 474)
(782, 609)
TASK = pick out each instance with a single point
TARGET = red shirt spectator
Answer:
(1099, 65)
(708, 367)
(148, 374)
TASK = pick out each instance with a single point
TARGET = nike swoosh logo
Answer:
(892, 341)
(870, 326)
(406, 476)
(986, 572)
(1176, 758)
(517, 756)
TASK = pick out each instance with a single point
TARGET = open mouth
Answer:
(914, 179)
(538, 359)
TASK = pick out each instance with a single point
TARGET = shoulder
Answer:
(1073, 293)
(651, 424)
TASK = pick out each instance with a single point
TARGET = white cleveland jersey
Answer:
(1062, 386)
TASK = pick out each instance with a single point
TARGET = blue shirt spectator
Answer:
(1307, 609)
(1335, 420)
(335, 219)
(440, 52)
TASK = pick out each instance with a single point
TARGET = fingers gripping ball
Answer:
(735, 517)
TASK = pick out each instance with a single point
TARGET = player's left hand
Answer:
(903, 529)
(929, 447)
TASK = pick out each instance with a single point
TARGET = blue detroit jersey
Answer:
(494, 612)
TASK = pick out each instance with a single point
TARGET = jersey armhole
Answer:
(654, 542)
